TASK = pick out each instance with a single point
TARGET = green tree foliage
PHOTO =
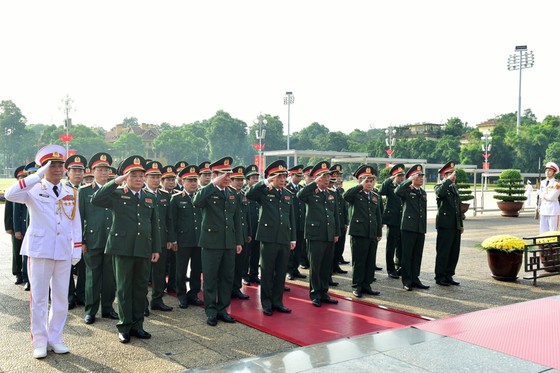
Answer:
(228, 137)
(130, 122)
(454, 127)
(128, 144)
(182, 144)
(14, 136)
(274, 138)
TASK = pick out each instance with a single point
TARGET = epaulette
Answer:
(88, 185)
(232, 188)
(163, 190)
(179, 193)
(376, 193)
(332, 190)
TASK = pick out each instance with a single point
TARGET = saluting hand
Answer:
(41, 171)
(119, 180)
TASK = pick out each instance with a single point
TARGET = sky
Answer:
(350, 64)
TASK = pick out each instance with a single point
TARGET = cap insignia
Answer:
(136, 160)
(226, 162)
(56, 154)
(324, 165)
(103, 157)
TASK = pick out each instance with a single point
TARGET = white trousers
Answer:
(47, 325)
(548, 223)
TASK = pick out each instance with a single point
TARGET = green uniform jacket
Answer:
(221, 221)
(392, 214)
(185, 221)
(365, 214)
(321, 218)
(96, 221)
(414, 207)
(135, 229)
(163, 199)
(299, 207)
(244, 214)
(342, 208)
(449, 206)
(277, 221)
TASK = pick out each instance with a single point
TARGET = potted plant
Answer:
(464, 189)
(505, 255)
(511, 193)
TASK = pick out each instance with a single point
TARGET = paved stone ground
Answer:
(182, 340)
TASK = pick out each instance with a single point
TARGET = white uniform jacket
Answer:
(51, 234)
(549, 204)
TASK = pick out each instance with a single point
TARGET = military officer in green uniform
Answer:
(75, 166)
(96, 223)
(133, 242)
(276, 233)
(169, 184)
(179, 166)
(162, 198)
(365, 229)
(413, 226)
(321, 231)
(237, 181)
(336, 185)
(449, 225)
(220, 239)
(253, 247)
(304, 261)
(88, 176)
(392, 216)
(295, 175)
(204, 174)
(184, 233)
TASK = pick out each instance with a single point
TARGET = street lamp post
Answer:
(288, 100)
(486, 147)
(390, 140)
(260, 134)
(519, 62)
(67, 102)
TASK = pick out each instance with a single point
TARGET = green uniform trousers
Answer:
(412, 249)
(17, 263)
(274, 262)
(132, 275)
(183, 256)
(218, 266)
(241, 261)
(448, 244)
(158, 277)
(393, 249)
(77, 290)
(364, 251)
(100, 281)
(320, 268)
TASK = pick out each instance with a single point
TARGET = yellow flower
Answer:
(504, 242)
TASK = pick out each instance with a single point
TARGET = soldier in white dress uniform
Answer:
(53, 243)
(549, 208)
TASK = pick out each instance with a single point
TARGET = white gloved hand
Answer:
(75, 261)
(41, 171)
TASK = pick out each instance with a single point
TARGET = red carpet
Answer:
(528, 330)
(308, 325)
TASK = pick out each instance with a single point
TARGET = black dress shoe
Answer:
(140, 333)
(374, 279)
(226, 318)
(407, 287)
(393, 274)
(183, 305)
(371, 292)
(27, 286)
(442, 282)
(19, 280)
(161, 307)
(212, 321)
(246, 282)
(316, 302)
(453, 282)
(357, 293)
(286, 288)
(195, 302)
(239, 295)
(340, 270)
(283, 309)
(72, 305)
(304, 266)
(255, 280)
(333, 283)
(378, 268)
(110, 315)
(420, 285)
(329, 300)
(80, 303)
(146, 312)
(124, 337)
(267, 311)
(342, 261)
(299, 275)
(291, 277)
(89, 319)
